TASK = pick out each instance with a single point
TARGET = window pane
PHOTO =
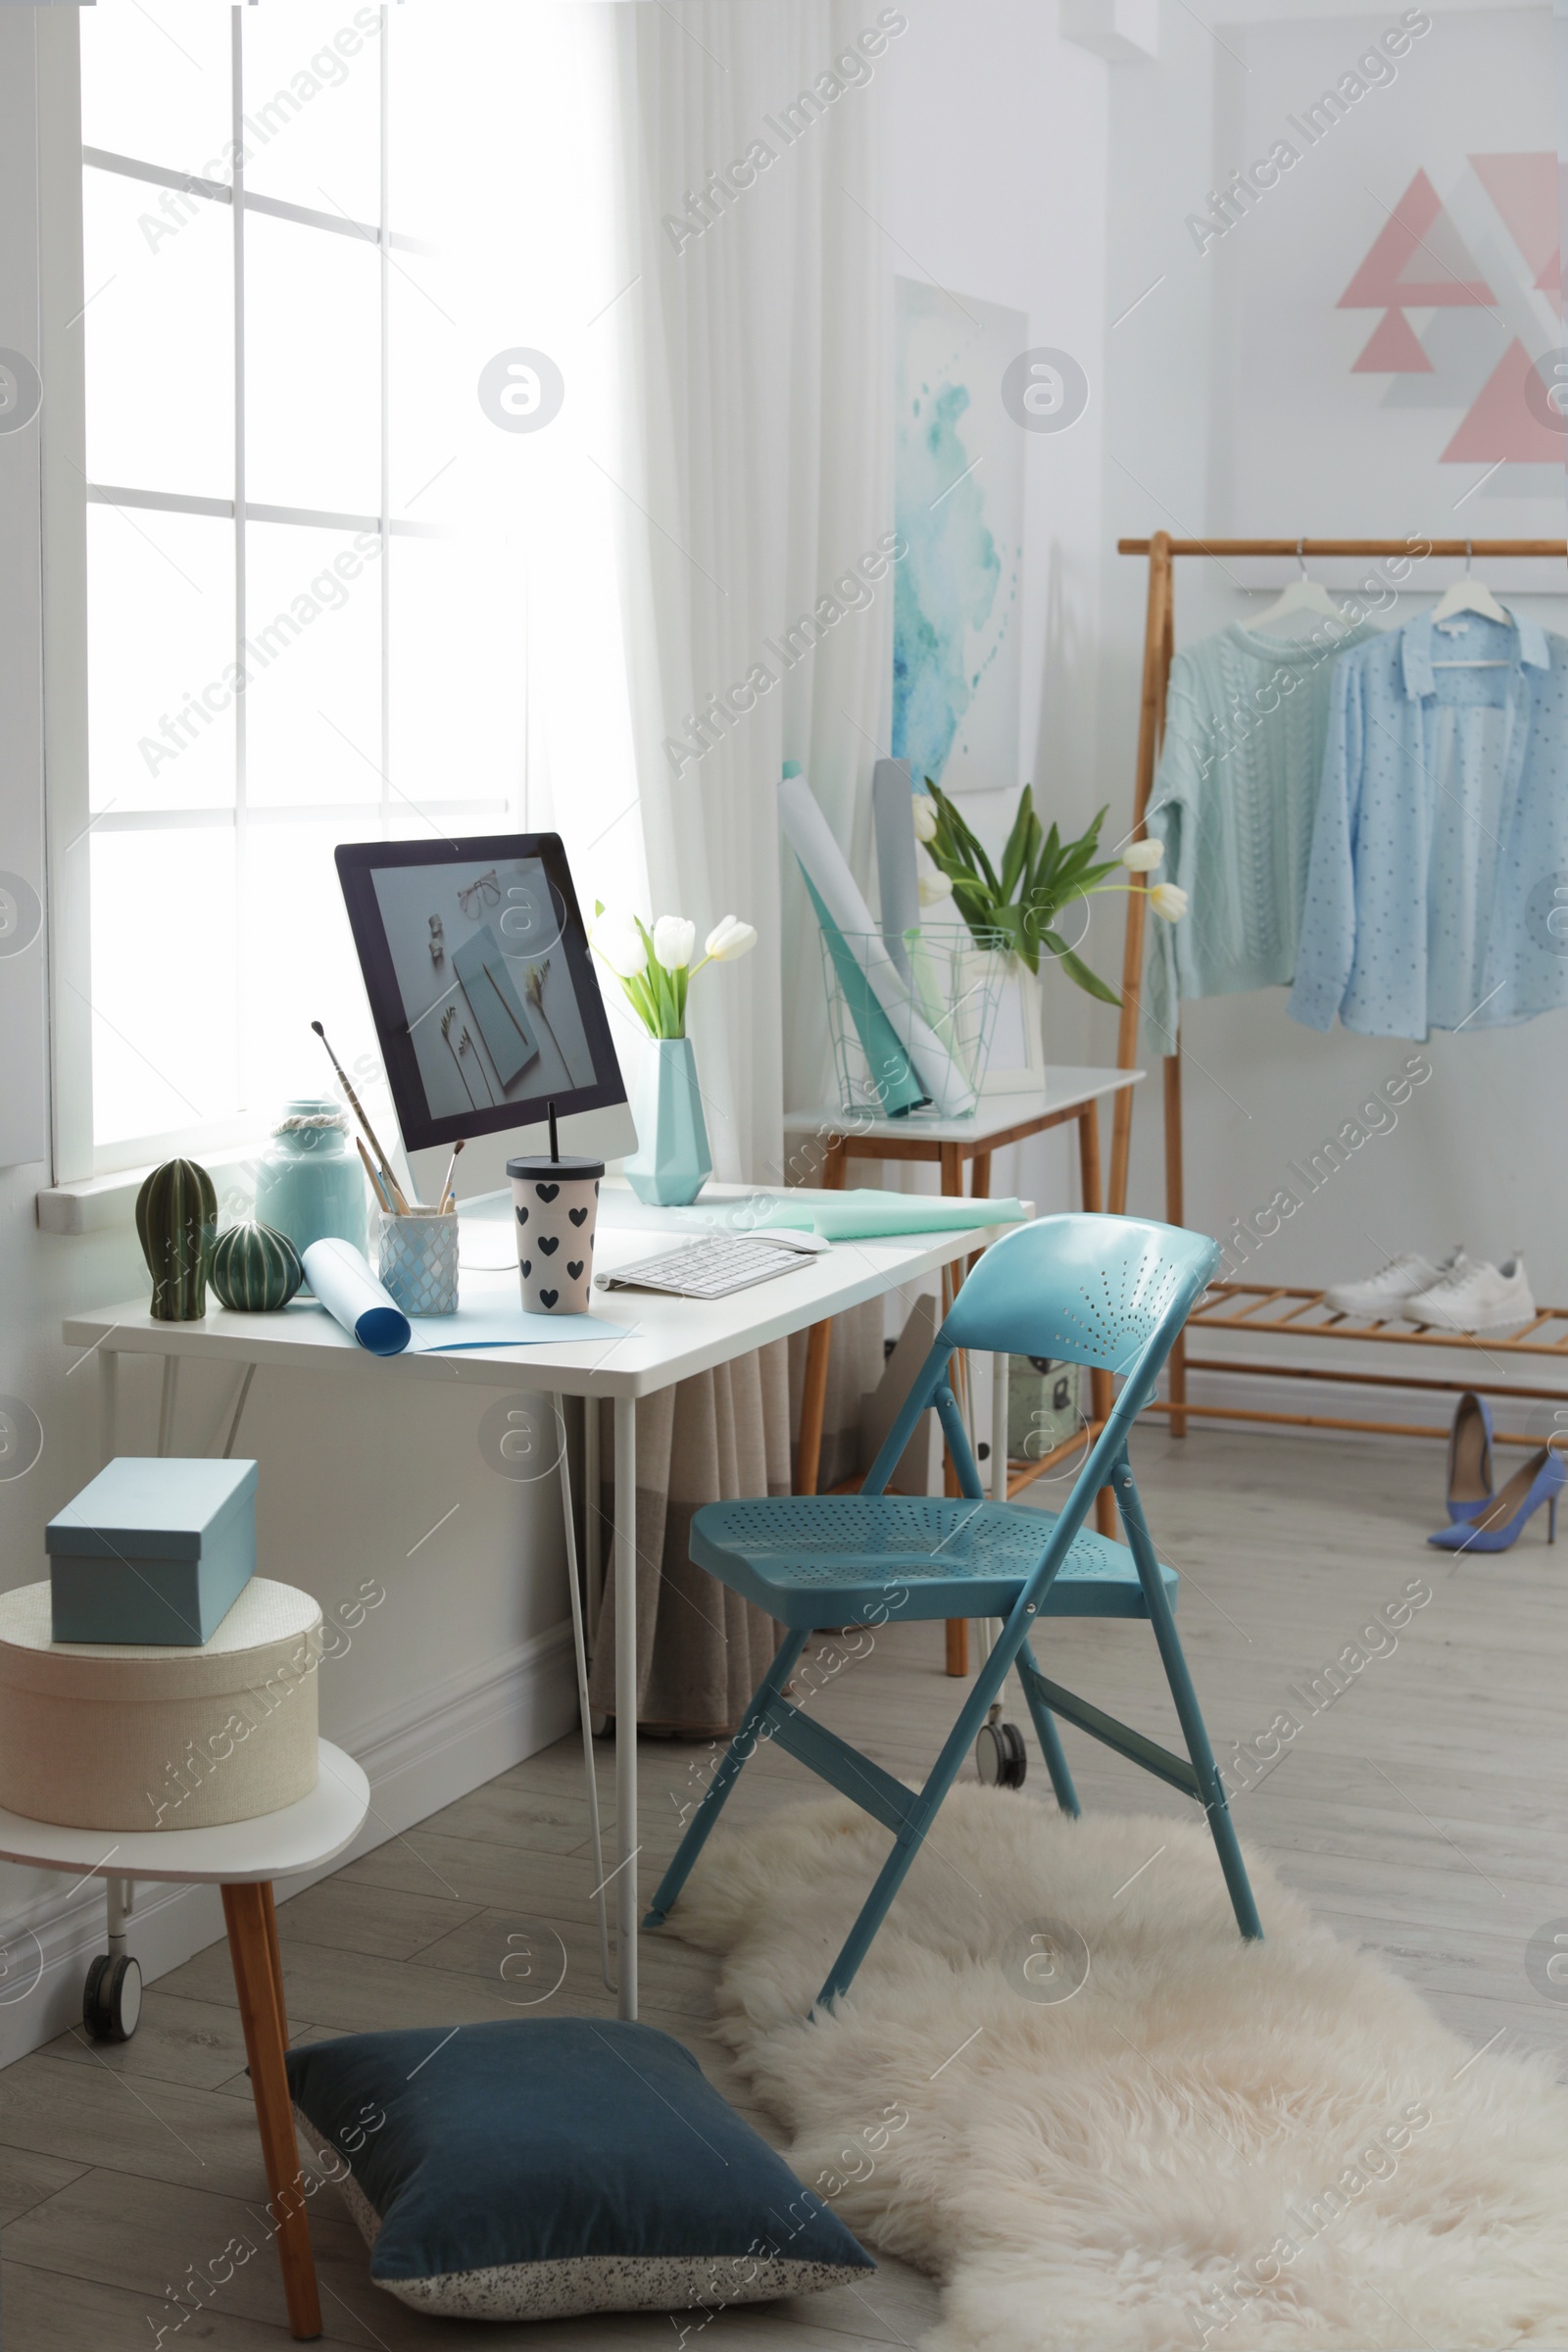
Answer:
(313, 105)
(312, 707)
(456, 674)
(160, 661)
(312, 352)
(162, 980)
(160, 330)
(155, 83)
(300, 966)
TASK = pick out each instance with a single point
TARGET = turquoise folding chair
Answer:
(1110, 1292)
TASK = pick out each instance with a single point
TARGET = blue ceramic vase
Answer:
(671, 1162)
(309, 1185)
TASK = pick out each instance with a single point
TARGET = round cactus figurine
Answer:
(256, 1269)
(176, 1224)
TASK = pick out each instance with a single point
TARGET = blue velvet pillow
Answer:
(530, 2169)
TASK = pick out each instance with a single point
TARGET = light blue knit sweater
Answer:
(1234, 800)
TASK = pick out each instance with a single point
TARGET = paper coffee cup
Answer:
(556, 1205)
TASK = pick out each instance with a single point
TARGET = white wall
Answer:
(996, 148)
(1478, 1153)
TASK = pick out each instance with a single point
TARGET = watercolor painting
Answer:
(958, 491)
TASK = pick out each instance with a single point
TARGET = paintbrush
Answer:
(357, 1109)
(377, 1185)
(446, 1189)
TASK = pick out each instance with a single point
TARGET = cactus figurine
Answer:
(256, 1269)
(176, 1224)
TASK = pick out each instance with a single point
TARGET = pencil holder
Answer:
(419, 1260)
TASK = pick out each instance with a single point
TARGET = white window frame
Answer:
(80, 1164)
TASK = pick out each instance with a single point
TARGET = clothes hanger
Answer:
(1471, 595)
(1304, 595)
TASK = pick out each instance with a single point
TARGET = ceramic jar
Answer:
(309, 1185)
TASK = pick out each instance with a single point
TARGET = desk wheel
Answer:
(111, 1999)
(999, 1756)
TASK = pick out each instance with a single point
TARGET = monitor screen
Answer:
(482, 982)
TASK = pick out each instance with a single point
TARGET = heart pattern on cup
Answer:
(551, 1210)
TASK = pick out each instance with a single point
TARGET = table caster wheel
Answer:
(999, 1756)
(111, 1999)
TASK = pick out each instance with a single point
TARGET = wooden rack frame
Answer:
(1298, 1313)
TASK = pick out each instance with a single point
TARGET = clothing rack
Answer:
(1250, 1307)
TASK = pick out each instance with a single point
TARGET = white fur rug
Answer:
(1249, 2147)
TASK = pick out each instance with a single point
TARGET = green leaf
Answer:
(1078, 971)
(1015, 856)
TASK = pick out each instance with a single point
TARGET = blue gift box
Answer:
(154, 1549)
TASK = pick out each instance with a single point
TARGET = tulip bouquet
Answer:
(656, 969)
(1019, 908)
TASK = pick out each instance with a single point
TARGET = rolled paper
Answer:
(897, 877)
(341, 1278)
(866, 1216)
(892, 1074)
(937, 1068)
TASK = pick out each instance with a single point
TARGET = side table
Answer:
(243, 1858)
(838, 1136)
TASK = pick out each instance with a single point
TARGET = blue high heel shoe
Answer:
(1496, 1527)
(1470, 1457)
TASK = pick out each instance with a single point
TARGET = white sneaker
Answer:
(1476, 1297)
(1386, 1292)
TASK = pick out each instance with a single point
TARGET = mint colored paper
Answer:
(868, 1216)
(892, 1072)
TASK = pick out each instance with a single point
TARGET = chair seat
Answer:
(831, 1560)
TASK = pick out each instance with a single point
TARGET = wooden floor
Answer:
(1420, 1813)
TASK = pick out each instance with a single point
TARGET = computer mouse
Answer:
(789, 1237)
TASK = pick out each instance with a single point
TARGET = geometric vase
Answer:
(176, 1224)
(673, 1161)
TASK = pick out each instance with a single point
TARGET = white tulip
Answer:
(925, 816)
(729, 939)
(1142, 856)
(674, 940)
(1169, 900)
(617, 938)
(932, 889)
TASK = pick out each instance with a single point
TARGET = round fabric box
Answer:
(102, 1736)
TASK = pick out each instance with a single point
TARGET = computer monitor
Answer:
(485, 1001)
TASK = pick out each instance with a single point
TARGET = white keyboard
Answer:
(714, 1266)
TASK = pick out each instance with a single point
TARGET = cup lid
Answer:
(540, 1166)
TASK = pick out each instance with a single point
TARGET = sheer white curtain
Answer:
(753, 475)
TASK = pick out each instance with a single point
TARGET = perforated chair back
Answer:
(1086, 1290)
(1109, 1292)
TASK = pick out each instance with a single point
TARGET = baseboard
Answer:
(455, 1735)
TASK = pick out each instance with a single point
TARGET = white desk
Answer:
(661, 1340)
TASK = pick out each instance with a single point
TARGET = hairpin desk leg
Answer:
(108, 1400)
(169, 1398)
(581, 1645)
(625, 1874)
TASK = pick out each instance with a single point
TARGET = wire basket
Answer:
(950, 984)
